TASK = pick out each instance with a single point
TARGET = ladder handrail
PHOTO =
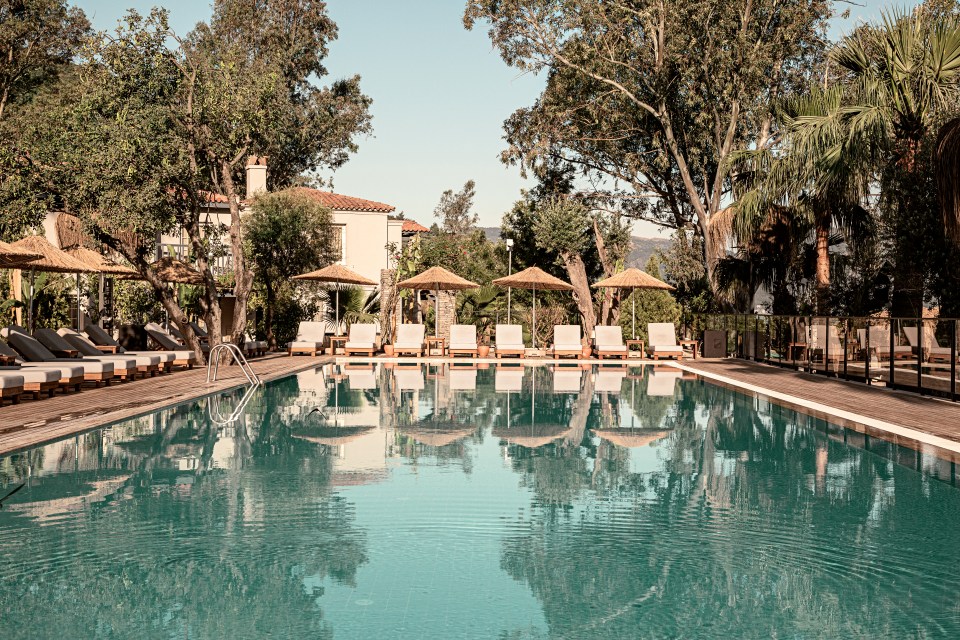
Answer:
(248, 371)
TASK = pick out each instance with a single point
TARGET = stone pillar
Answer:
(446, 312)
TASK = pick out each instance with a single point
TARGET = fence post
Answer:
(920, 355)
(846, 339)
(953, 360)
(892, 383)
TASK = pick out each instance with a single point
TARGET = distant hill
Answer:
(642, 249)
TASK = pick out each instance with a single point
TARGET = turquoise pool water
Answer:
(494, 503)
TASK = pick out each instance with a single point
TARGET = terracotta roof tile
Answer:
(340, 202)
(412, 226)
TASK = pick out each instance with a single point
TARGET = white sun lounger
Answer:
(124, 367)
(147, 364)
(362, 378)
(609, 380)
(463, 379)
(37, 380)
(567, 380)
(106, 344)
(11, 386)
(509, 340)
(880, 344)
(662, 341)
(309, 340)
(361, 339)
(931, 346)
(185, 357)
(409, 339)
(68, 375)
(566, 340)
(409, 379)
(31, 350)
(608, 342)
(463, 340)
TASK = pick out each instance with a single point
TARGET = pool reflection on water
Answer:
(462, 502)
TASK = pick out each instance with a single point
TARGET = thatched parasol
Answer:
(51, 260)
(532, 436)
(13, 258)
(534, 278)
(438, 437)
(171, 270)
(100, 263)
(337, 274)
(438, 279)
(633, 278)
(330, 435)
(631, 437)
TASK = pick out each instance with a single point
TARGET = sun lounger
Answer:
(567, 380)
(11, 386)
(509, 340)
(825, 341)
(662, 339)
(105, 343)
(255, 347)
(147, 364)
(508, 379)
(362, 379)
(37, 380)
(124, 367)
(662, 382)
(608, 342)
(566, 340)
(463, 340)
(31, 350)
(68, 375)
(409, 339)
(361, 339)
(609, 380)
(931, 346)
(309, 338)
(165, 342)
(880, 344)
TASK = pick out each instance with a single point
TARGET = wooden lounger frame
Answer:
(11, 392)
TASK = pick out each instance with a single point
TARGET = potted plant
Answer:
(483, 345)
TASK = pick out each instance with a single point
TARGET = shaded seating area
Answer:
(608, 342)
(662, 341)
(566, 341)
(409, 339)
(509, 340)
(309, 340)
(362, 339)
(463, 340)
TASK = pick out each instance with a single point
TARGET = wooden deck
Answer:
(932, 416)
(34, 421)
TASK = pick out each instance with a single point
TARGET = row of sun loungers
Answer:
(410, 340)
(824, 343)
(65, 359)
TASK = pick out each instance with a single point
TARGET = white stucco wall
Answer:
(366, 237)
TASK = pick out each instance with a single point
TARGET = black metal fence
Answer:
(913, 354)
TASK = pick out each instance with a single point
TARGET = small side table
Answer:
(433, 342)
(337, 340)
(634, 343)
(798, 351)
(108, 348)
(7, 361)
(689, 343)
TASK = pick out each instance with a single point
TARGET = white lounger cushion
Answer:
(661, 335)
(36, 375)
(362, 336)
(54, 340)
(566, 337)
(11, 381)
(508, 380)
(609, 381)
(309, 335)
(409, 379)
(566, 380)
(510, 337)
(880, 340)
(463, 337)
(662, 383)
(610, 339)
(409, 336)
(463, 379)
(33, 351)
(65, 371)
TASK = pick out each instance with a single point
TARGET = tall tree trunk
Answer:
(608, 311)
(823, 263)
(577, 273)
(269, 313)
(209, 299)
(243, 276)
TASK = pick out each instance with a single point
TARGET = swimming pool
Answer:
(503, 502)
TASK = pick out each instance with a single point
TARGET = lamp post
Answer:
(509, 273)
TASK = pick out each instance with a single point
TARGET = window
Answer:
(339, 242)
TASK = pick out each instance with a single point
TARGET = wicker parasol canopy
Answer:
(533, 278)
(532, 436)
(437, 279)
(335, 273)
(437, 437)
(52, 259)
(633, 278)
(331, 435)
(631, 437)
(12, 257)
(99, 263)
(172, 270)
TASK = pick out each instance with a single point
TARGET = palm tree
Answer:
(356, 305)
(895, 79)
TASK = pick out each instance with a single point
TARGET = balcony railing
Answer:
(912, 354)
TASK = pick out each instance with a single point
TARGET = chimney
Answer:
(256, 175)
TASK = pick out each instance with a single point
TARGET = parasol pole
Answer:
(533, 329)
(436, 313)
(633, 301)
(79, 320)
(30, 308)
(336, 311)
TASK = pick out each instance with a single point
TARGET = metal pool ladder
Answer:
(234, 350)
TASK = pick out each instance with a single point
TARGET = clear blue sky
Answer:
(440, 95)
